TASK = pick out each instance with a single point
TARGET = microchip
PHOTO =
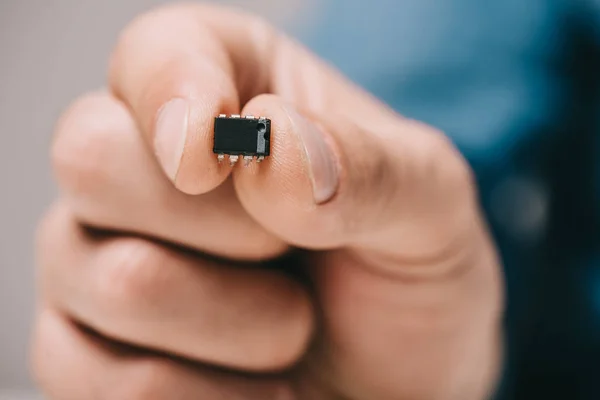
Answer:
(247, 137)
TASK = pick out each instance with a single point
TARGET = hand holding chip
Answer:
(161, 268)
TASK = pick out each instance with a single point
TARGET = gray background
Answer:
(51, 51)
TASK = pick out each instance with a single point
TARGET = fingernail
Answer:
(170, 135)
(323, 167)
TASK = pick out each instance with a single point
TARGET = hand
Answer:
(166, 275)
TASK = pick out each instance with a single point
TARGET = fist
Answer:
(353, 263)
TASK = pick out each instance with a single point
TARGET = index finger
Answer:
(176, 72)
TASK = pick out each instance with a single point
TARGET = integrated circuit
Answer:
(246, 137)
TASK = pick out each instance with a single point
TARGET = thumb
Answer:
(410, 291)
(386, 186)
(410, 287)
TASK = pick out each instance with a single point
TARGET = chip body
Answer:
(246, 137)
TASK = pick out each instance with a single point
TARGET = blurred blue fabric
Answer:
(515, 84)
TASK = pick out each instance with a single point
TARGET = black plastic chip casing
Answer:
(246, 136)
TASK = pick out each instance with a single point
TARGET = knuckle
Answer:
(443, 162)
(82, 144)
(183, 15)
(56, 231)
(150, 379)
(133, 271)
(168, 26)
(150, 31)
(456, 170)
(64, 370)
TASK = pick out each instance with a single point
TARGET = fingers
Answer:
(141, 293)
(344, 169)
(112, 182)
(72, 365)
(178, 67)
(393, 190)
(176, 77)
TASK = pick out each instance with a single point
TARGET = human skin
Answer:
(153, 281)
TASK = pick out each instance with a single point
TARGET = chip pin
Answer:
(260, 159)
(233, 160)
(247, 160)
(221, 158)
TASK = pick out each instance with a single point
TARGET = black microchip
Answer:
(246, 137)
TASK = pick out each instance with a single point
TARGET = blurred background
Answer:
(514, 83)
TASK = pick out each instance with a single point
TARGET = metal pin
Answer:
(221, 158)
(222, 115)
(260, 159)
(247, 160)
(262, 117)
(249, 116)
(235, 116)
(233, 160)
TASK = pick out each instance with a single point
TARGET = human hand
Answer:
(161, 270)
